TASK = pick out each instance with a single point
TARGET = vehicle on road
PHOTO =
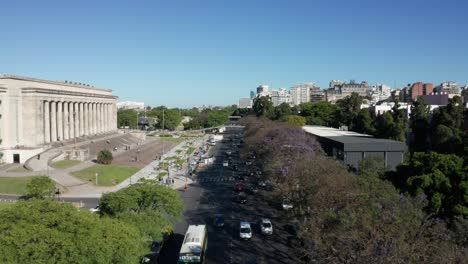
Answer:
(245, 231)
(238, 187)
(194, 245)
(241, 198)
(248, 163)
(266, 226)
(287, 205)
(225, 163)
(235, 168)
(261, 183)
(218, 220)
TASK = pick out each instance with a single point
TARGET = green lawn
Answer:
(14, 185)
(161, 174)
(63, 164)
(108, 175)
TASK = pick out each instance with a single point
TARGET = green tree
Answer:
(321, 113)
(282, 111)
(40, 187)
(151, 208)
(443, 178)
(419, 124)
(364, 122)
(105, 157)
(263, 107)
(296, 120)
(401, 120)
(349, 110)
(169, 119)
(384, 126)
(44, 231)
(448, 133)
(127, 118)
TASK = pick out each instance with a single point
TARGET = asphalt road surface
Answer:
(213, 193)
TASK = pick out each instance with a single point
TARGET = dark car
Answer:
(242, 198)
(235, 168)
(218, 220)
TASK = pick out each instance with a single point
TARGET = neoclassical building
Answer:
(35, 113)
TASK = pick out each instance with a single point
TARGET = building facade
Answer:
(245, 103)
(126, 105)
(280, 96)
(36, 113)
(419, 89)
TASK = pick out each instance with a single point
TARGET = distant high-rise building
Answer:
(252, 94)
(316, 95)
(125, 105)
(450, 88)
(418, 89)
(301, 93)
(280, 96)
(245, 103)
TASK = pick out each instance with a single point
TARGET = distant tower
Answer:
(252, 94)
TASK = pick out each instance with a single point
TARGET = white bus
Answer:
(194, 245)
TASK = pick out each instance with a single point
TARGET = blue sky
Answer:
(189, 53)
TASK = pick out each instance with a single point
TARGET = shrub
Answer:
(105, 157)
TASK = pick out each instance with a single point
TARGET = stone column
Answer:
(72, 120)
(53, 121)
(86, 118)
(95, 117)
(77, 119)
(59, 121)
(66, 121)
(101, 118)
(46, 122)
(106, 119)
(98, 119)
(81, 120)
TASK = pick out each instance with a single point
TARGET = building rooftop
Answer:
(355, 141)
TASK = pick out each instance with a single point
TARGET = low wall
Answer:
(24, 154)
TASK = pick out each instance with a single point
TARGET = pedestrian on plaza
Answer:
(173, 181)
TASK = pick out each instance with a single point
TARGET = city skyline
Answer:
(183, 54)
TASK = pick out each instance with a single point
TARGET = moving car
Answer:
(287, 205)
(218, 220)
(225, 163)
(94, 209)
(248, 163)
(245, 231)
(266, 226)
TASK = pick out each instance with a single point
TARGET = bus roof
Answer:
(194, 238)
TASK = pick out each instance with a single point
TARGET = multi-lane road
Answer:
(213, 193)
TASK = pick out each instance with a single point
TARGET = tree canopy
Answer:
(40, 187)
(127, 118)
(44, 231)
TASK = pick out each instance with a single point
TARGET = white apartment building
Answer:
(138, 106)
(301, 93)
(280, 96)
(245, 103)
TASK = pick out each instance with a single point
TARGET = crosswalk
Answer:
(217, 179)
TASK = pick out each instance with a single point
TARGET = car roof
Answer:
(244, 224)
(266, 220)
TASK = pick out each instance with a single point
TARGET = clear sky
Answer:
(189, 53)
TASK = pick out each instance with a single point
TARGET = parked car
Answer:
(252, 190)
(245, 231)
(225, 163)
(266, 226)
(248, 163)
(218, 220)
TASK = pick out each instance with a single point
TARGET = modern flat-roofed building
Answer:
(351, 148)
(35, 113)
(127, 105)
(245, 103)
